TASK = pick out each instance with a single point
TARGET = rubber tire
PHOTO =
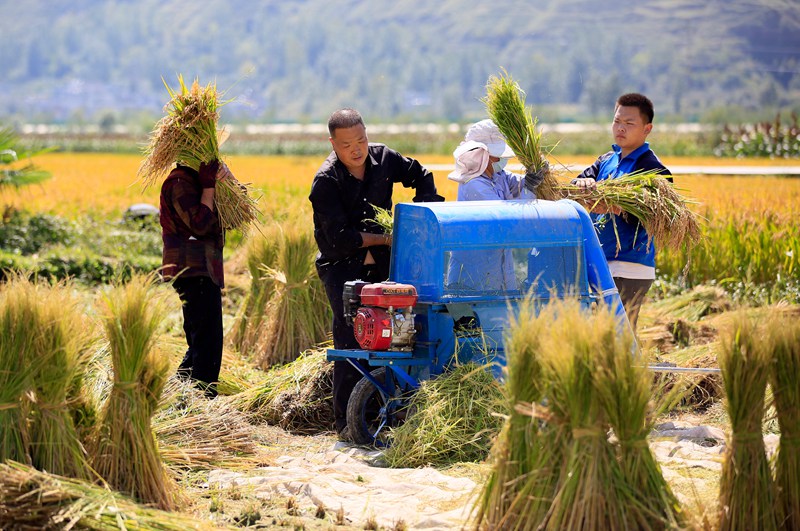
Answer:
(365, 402)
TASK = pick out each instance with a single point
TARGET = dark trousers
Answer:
(202, 324)
(632, 292)
(345, 376)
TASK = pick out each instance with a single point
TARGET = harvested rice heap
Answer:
(188, 135)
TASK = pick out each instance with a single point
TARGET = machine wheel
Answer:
(370, 414)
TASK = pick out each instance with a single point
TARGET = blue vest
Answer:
(633, 245)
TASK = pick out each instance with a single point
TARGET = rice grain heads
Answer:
(505, 103)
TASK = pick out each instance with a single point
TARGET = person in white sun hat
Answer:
(480, 173)
(492, 180)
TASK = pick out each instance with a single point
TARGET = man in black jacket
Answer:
(354, 177)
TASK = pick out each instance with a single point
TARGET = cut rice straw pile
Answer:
(195, 433)
(650, 198)
(505, 103)
(30, 499)
(455, 420)
(746, 497)
(295, 396)
(17, 365)
(126, 453)
(188, 135)
(261, 254)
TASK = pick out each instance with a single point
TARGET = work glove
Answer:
(208, 173)
(428, 198)
(534, 178)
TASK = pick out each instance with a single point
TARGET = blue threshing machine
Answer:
(457, 270)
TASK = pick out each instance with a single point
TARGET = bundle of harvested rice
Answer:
(195, 433)
(30, 499)
(505, 103)
(626, 393)
(59, 343)
(526, 457)
(188, 135)
(298, 314)
(295, 396)
(126, 453)
(17, 364)
(455, 419)
(746, 497)
(785, 378)
(591, 493)
(261, 254)
(648, 197)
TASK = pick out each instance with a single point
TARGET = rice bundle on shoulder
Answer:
(189, 135)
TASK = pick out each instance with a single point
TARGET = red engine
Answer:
(385, 319)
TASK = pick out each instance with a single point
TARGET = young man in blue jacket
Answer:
(631, 260)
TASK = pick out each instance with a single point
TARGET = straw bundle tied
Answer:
(505, 103)
(526, 458)
(36, 500)
(188, 135)
(558, 468)
(650, 198)
(295, 396)
(17, 365)
(261, 253)
(454, 420)
(298, 313)
(785, 378)
(60, 340)
(746, 497)
(126, 452)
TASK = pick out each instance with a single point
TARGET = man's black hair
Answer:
(344, 118)
(638, 100)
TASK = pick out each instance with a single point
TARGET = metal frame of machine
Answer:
(553, 251)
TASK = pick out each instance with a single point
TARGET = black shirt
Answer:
(342, 204)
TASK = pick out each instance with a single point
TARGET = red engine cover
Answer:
(385, 294)
(373, 328)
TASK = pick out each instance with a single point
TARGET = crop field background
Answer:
(105, 184)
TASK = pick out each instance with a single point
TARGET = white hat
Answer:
(488, 133)
(471, 159)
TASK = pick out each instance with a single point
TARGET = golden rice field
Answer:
(105, 184)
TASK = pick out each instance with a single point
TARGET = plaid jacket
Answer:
(191, 233)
